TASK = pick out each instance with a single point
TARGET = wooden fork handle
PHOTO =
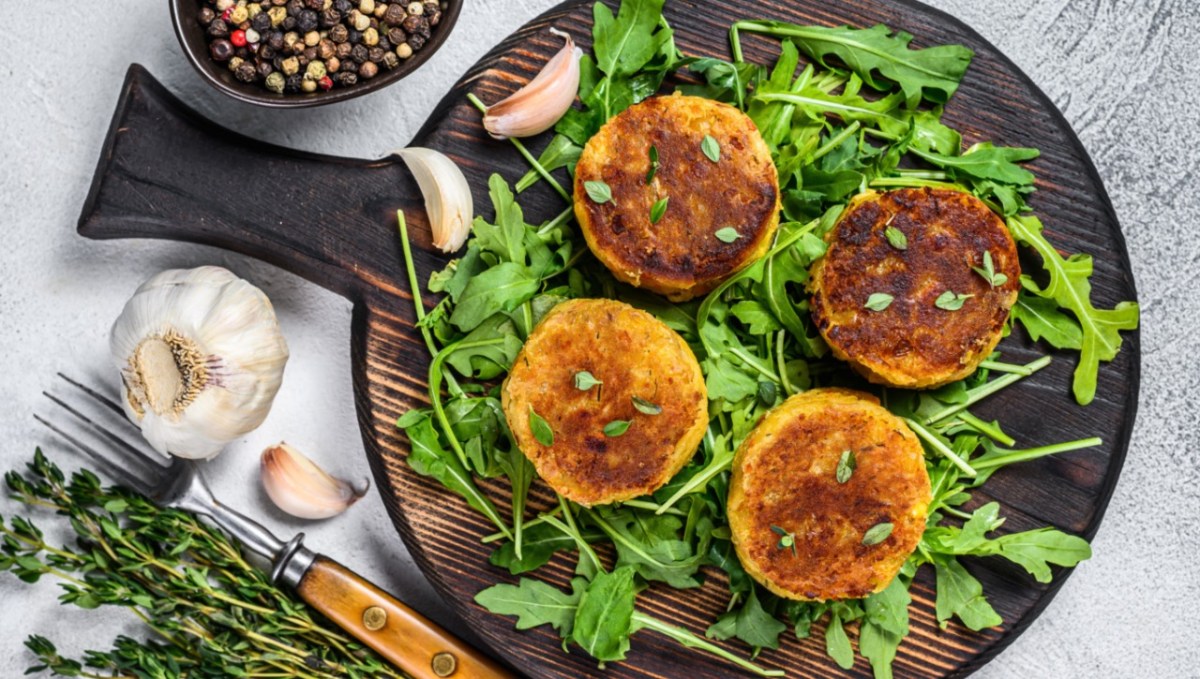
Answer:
(407, 639)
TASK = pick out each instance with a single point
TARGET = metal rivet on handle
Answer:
(374, 618)
(444, 664)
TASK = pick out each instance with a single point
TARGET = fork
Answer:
(407, 639)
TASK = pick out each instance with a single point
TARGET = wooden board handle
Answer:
(403, 636)
(167, 172)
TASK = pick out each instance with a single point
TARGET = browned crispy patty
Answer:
(785, 480)
(681, 255)
(633, 354)
(913, 343)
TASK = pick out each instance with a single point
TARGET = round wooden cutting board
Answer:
(165, 172)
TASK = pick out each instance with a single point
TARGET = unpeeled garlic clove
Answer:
(299, 487)
(448, 202)
(535, 108)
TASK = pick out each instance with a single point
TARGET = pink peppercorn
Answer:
(238, 38)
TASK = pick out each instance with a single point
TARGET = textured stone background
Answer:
(1125, 73)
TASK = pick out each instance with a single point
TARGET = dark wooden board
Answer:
(165, 172)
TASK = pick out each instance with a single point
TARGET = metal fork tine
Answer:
(113, 468)
(96, 395)
(154, 467)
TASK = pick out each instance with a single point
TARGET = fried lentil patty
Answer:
(632, 354)
(785, 479)
(913, 343)
(681, 255)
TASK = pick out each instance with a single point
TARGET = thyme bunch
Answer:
(212, 613)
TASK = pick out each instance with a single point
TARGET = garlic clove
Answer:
(299, 487)
(538, 105)
(201, 359)
(448, 202)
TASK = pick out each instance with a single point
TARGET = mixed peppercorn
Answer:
(294, 46)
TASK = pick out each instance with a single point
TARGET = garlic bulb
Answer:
(535, 108)
(299, 487)
(448, 201)
(201, 357)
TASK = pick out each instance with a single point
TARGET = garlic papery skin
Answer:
(538, 105)
(448, 202)
(201, 358)
(299, 487)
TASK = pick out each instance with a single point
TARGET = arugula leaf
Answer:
(879, 57)
(503, 287)
(757, 318)
(505, 238)
(751, 623)
(650, 544)
(1035, 549)
(427, 457)
(560, 152)
(1070, 289)
(627, 43)
(726, 382)
(837, 644)
(534, 603)
(541, 542)
(959, 593)
(604, 618)
(1044, 320)
(986, 161)
(488, 361)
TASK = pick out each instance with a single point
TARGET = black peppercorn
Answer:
(368, 70)
(206, 15)
(266, 52)
(343, 50)
(218, 29)
(416, 25)
(416, 42)
(288, 24)
(294, 7)
(310, 54)
(360, 53)
(433, 13)
(261, 22)
(330, 18)
(275, 40)
(315, 5)
(221, 49)
(246, 72)
(385, 44)
(396, 35)
(242, 52)
(343, 6)
(307, 21)
(375, 55)
(354, 37)
(292, 84)
(264, 69)
(347, 78)
(395, 14)
(390, 60)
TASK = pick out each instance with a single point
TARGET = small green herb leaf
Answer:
(988, 271)
(896, 238)
(711, 148)
(766, 393)
(846, 466)
(646, 407)
(598, 191)
(616, 428)
(541, 430)
(584, 380)
(659, 209)
(728, 234)
(786, 540)
(951, 301)
(653, 164)
(877, 533)
(878, 301)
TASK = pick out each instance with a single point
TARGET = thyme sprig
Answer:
(211, 612)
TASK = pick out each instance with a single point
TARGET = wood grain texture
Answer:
(406, 638)
(336, 228)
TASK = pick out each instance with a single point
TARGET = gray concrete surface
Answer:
(1125, 73)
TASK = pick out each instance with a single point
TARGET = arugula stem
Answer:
(690, 640)
(1001, 367)
(418, 303)
(753, 362)
(936, 443)
(719, 464)
(884, 182)
(781, 361)
(826, 106)
(571, 529)
(985, 427)
(1008, 457)
(833, 143)
(984, 390)
(559, 219)
(528, 524)
(435, 390)
(533, 162)
(651, 506)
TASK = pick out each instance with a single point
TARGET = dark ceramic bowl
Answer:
(195, 45)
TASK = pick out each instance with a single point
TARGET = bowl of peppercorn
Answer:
(295, 53)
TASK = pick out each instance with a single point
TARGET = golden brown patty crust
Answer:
(913, 343)
(785, 476)
(680, 256)
(633, 354)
